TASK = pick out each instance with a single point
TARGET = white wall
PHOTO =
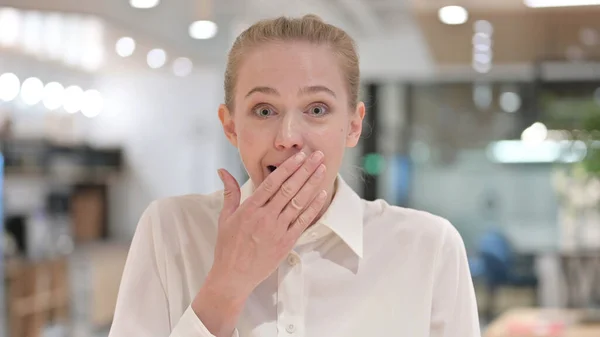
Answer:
(398, 56)
(25, 193)
(171, 136)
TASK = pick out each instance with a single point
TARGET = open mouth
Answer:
(271, 168)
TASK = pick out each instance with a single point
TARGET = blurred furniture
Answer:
(97, 270)
(542, 323)
(37, 295)
(501, 267)
(581, 272)
(15, 226)
(89, 212)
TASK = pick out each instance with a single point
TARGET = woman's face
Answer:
(291, 97)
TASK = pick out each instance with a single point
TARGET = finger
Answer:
(271, 185)
(292, 186)
(231, 193)
(306, 218)
(303, 198)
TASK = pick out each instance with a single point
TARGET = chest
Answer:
(338, 295)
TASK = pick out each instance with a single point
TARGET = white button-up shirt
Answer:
(364, 269)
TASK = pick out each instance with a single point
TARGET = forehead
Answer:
(289, 66)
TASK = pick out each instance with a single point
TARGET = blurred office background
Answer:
(484, 112)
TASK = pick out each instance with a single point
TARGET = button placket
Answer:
(290, 328)
(292, 260)
(290, 291)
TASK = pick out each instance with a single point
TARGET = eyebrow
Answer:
(303, 91)
(264, 90)
(316, 89)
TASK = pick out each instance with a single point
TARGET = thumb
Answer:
(231, 193)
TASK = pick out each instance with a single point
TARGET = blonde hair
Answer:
(309, 28)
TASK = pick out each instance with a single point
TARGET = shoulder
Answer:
(424, 230)
(176, 207)
(178, 219)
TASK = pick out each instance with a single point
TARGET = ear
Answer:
(226, 119)
(356, 122)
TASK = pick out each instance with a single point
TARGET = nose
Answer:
(289, 135)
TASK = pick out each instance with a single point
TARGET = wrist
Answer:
(217, 307)
(219, 290)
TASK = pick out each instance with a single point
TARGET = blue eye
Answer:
(263, 111)
(318, 110)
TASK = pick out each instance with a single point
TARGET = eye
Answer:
(318, 110)
(263, 111)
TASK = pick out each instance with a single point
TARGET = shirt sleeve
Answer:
(142, 308)
(189, 325)
(454, 308)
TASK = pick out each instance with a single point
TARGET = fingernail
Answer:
(220, 173)
(320, 171)
(300, 157)
(317, 156)
(322, 195)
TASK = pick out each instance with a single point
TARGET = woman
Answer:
(294, 251)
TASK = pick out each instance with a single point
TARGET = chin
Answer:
(257, 178)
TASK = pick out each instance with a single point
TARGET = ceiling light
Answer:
(484, 26)
(203, 29)
(144, 4)
(483, 95)
(92, 40)
(125, 46)
(32, 91)
(520, 152)
(73, 99)
(10, 21)
(453, 15)
(54, 94)
(92, 103)
(482, 41)
(560, 3)
(32, 32)
(10, 85)
(53, 39)
(535, 134)
(156, 58)
(510, 101)
(182, 66)
(482, 68)
(482, 57)
(92, 58)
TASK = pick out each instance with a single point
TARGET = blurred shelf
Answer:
(43, 301)
(93, 175)
(76, 163)
(24, 171)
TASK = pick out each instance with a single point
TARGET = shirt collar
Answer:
(344, 215)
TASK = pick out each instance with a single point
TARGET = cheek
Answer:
(331, 142)
(246, 140)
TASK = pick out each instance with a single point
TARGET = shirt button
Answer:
(292, 260)
(291, 328)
